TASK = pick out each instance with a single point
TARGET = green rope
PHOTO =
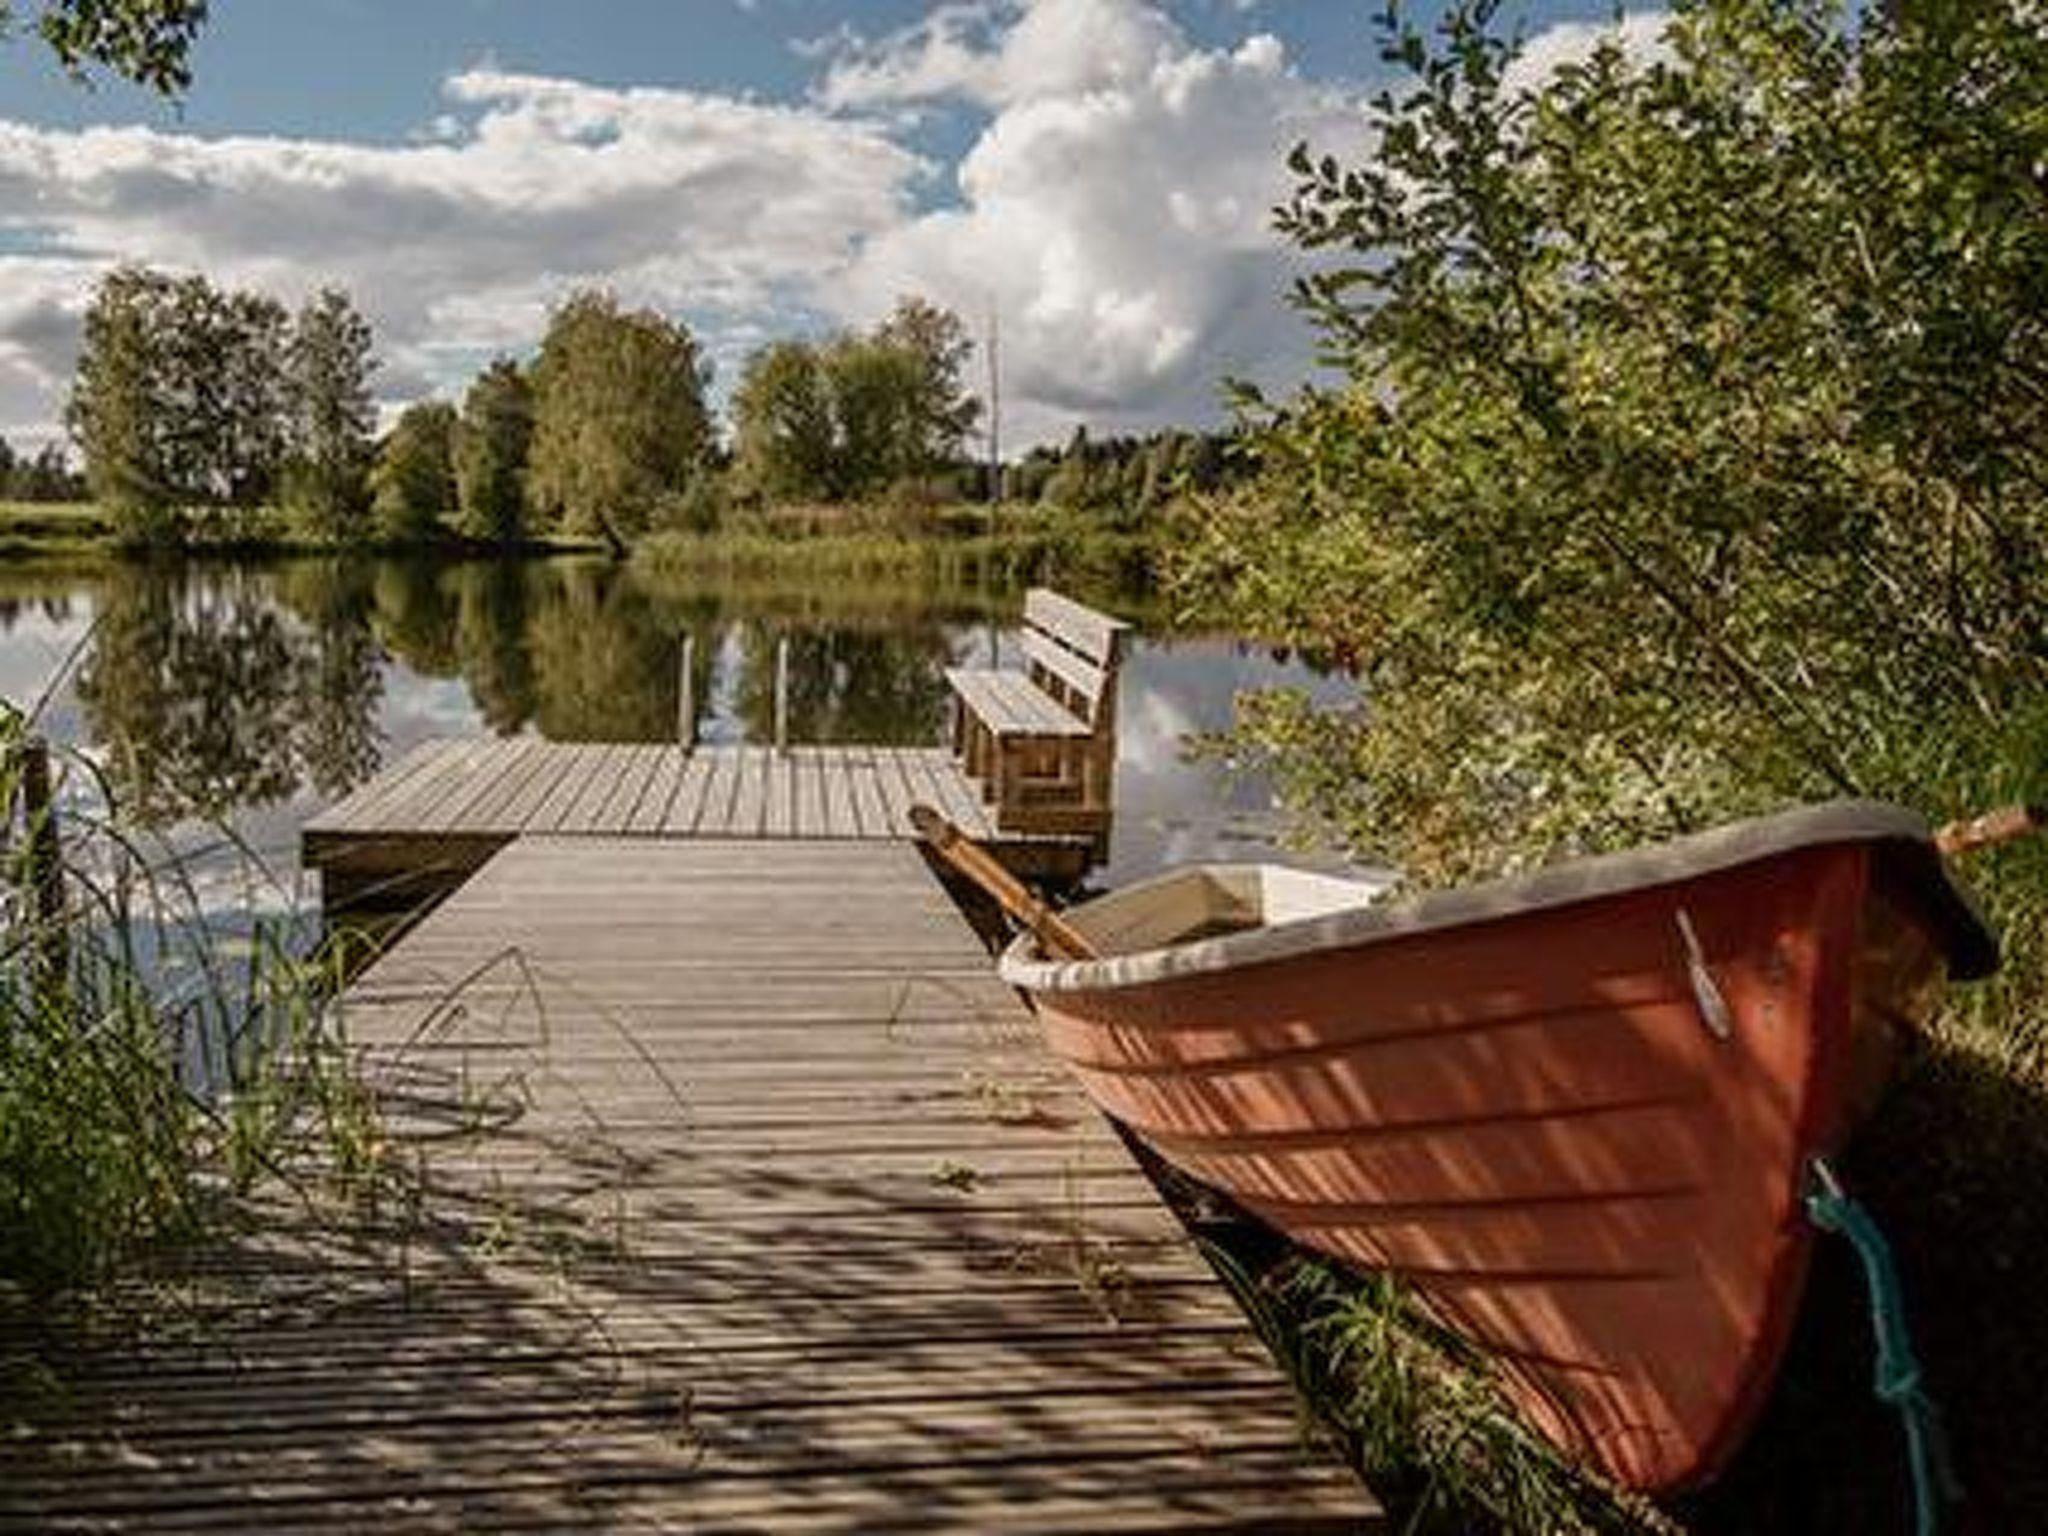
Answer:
(1898, 1370)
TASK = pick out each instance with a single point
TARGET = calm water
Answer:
(250, 696)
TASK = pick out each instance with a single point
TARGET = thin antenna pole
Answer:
(995, 412)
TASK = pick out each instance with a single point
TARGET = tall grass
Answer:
(150, 1078)
(1414, 1408)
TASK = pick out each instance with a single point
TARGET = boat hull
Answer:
(1581, 1131)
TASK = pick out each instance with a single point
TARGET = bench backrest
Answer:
(1073, 653)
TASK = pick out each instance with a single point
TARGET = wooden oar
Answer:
(1060, 938)
(2007, 824)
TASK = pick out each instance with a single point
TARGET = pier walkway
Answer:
(447, 805)
(747, 1199)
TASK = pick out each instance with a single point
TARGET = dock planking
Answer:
(753, 1204)
(446, 806)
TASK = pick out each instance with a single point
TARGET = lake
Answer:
(226, 703)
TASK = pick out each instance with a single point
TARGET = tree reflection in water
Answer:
(206, 691)
(212, 687)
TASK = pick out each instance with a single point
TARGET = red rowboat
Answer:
(1576, 1110)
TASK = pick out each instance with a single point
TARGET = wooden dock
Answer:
(749, 1201)
(442, 809)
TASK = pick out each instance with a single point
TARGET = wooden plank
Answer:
(841, 819)
(360, 808)
(505, 769)
(652, 812)
(811, 817)
(714, 808)
(896, 791)
(519, 809)
(600, 774)
(870, 803)
(778, 818)
(576, 760)
(750, 792)
(399, 809)
(688, 801)
(1094, 635)
(1084, 677)
(643, 762)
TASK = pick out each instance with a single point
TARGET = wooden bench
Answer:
(1042, 742)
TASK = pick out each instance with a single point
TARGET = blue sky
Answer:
(1098, 172)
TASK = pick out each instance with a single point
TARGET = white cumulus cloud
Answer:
(1116, 209)
(456, 245)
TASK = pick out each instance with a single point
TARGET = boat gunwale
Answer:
(1903, 837)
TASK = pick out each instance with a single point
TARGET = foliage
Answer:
(618, 414)
(1399, 1393)
(1128, 477)
(46, 476)
(1693, 459)
(1695, 445)
(783, 424)
(413, 481)
(179, 397)
(331, 416)
(491, 450)
(146, 41)
(109, 1152)
(190, 399)
(856, 415)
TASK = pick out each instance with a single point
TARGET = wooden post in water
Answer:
(782, 695)
(686, 696)
(45, 863)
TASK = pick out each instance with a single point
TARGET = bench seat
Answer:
(1009, 705)
(1042, 741)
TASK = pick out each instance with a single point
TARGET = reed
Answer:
(151, 1078)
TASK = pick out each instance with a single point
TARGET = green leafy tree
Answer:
(491, 452)
(118, 409)
(146, 41)
(785, 442)
(859, 414)
(332, 415)
(1697, 438)
(618, 413)
(180, 396)
(413, 481)
(938, 411)
(872, 387)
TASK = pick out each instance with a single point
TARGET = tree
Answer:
(179, 400)
(491, 451)
(332, 415)
(873, 388)
(244, 353)
(413, 482)
(618, 414)
(145, 41)
(858, 414)
(785, 441)
(1693, 458)
(1697, 435)
(117, 411)
(938, 411)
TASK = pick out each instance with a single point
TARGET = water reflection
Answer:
(258, 693)
(207, 694)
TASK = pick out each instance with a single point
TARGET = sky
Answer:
(1097, 175)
